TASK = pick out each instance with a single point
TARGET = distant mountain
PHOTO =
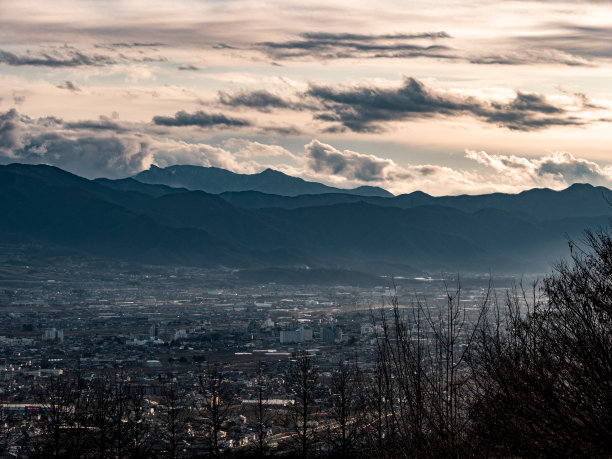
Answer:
(215, 180)
(579, 200)
(154, 224)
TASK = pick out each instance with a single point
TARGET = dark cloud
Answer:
(261, 100)
(223, 46)
(137, 45)
(188, 67)
(280, 130)
(103, 124)
(362, 37)
(70, 59)
(69, 85)
(531, 56)
(322, 45)
(365, 109)
(200, 119)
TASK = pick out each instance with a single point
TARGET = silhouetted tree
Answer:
(215, 405)
(544, 371)
(421, 389)
(57, 399)
(301, 383)
(263, 413)
(172, 418)
(346, 409)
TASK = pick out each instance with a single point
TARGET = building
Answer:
(301, 335)
(331, 334)
(52, 334)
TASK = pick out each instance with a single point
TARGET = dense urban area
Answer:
(156, 330)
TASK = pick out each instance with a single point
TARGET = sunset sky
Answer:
(445, 97)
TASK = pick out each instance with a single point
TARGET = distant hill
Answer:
(216, 180)
(143, 223)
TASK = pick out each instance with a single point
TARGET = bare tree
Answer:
(423, 373)
(301, 381)
(346, 409)
(217, 397)
(263, 413)
(173, 418)
(57, 399)
(138, 427)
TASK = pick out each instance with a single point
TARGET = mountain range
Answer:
(158, 224)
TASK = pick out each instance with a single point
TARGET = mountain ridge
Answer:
(216, 180)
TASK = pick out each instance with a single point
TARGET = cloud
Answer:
(188, 67)
(556, 170)
(249, 149)
(70, 58)
(137, 45)
(223, 46)
(69, 85)
(587, 43)
(200, 119)
(103, 124)
(530, 56)
(94, 149)
(283, 131)
(325, 159)
(9, 133)
(501, 173)
(366, 108)
(321, 45)
(370, 37)
(261, 100)
(349, 168)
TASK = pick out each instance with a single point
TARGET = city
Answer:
(160, 328)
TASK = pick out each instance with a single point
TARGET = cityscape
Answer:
(160, 328)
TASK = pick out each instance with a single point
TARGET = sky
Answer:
(445, 97)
